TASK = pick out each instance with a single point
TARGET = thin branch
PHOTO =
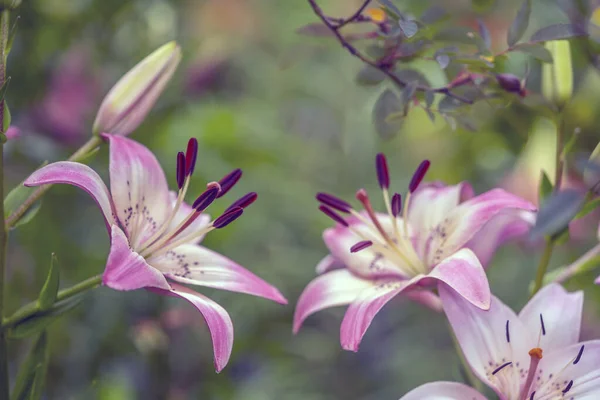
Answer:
(354, 16)
(384, 69)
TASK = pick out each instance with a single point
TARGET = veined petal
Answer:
(443, 391)
(466, 221)
(568, 364)
(488, 339)
(184, 211)
(79, 175)
(198, 265)
(334, 288)
(139, 188)
(216, 317)
(561, 314)
(126, 269)
(328, 263)
(430, 204)
(463, 272)
(367, 304)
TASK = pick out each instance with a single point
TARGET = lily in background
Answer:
(440, 236)
(155, 234)
(535, 355)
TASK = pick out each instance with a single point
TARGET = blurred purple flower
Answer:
(155, 235)
(443, 235)
(12, 133)
(535, 355)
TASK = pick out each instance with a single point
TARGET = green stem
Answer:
(32, 308)
(473, 381)
(4, 381)
(560, 133)
(39, 192)
(543, 266)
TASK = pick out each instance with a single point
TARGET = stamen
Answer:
(191, 154)
(418, 176)
(569, 386)
(333, 202)
(531, 397)
(500, 368)
(206, 198)
(361, 246)
(363, 197)
(396, 204)
(333, 215)
(180, 169)
(543, 327)
(578, 358)
(507, 331)
(227, 217)
(229, 180)
(243, 201)
(383, 175)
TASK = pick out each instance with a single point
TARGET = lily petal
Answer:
(466, 221)
(126, 269)
(216, 317)
(328, 263)
(486, 337)
(335, 288)
(443, 391)
(198, 265)
(568, 364)
(463, 272)
(182, 213)
(430, 204)
(79, 175)
(558, 309)
(139, 188)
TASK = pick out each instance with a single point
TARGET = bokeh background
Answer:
(286, 109)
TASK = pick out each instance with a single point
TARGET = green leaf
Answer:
(536, 50)
(4, 88)
(443, 60)
(11, 36)
(33, 370)
(588, 208)
(429, 98)
(484, 33)
(408, 27)
(390, 8)
(545, 188)
(557, 32)
(387, 103)
(7, 117)
(588, 266)
(412, 75)
(40, 320)
(15, 198)
(407, 93)
(520, 23)
(369, 76)
(50, 289)
(556, 213)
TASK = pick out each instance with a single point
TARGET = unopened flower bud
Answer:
(129, 101)
(591, 173)
(557, 77)
(511, 83)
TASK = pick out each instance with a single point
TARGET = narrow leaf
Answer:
(557, 32)
(4, 88)
(407, 93)
(7, 117)
(390, 8)
(485, 34)
(429, 98)
(520, 23)
(369, 76)
(588, 208)
(545, 188)
(556, 213)
(35, 362)
(50, 289)
(387, 103)
(536, 50)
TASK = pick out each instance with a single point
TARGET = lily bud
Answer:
(129, 101)
(557, 77)
(511, 83)
(591, 173)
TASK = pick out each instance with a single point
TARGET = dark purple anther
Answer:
(500, 368)
(334, 202)
(180, 169)
(418, 176)
(383, 175)
(244, 201)
(206, 198)
(190, 156)
(228, 217)
(333, 215)
(578, 358)
(396, 204)
(569, 386)
(229, 180)
(361, 246)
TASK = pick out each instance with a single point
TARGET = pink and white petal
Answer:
(126, 269)
(367, 304)
(139, 188)
(466, 221)
(334, 288)
(463, 272)
(488, 339)
(443, 391)
(216, 317)
(597, 281)
(328, 263)
(561, 313)
(368, 263)
(183, 212)
(197, 265)
(430, 204)
(568, 364)
(79, 175)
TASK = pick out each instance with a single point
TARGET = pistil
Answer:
(536, 356)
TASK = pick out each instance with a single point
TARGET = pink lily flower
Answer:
(535, 355)
(155, 235)
(442, 235)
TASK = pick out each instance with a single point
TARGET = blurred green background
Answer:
(285, 109)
